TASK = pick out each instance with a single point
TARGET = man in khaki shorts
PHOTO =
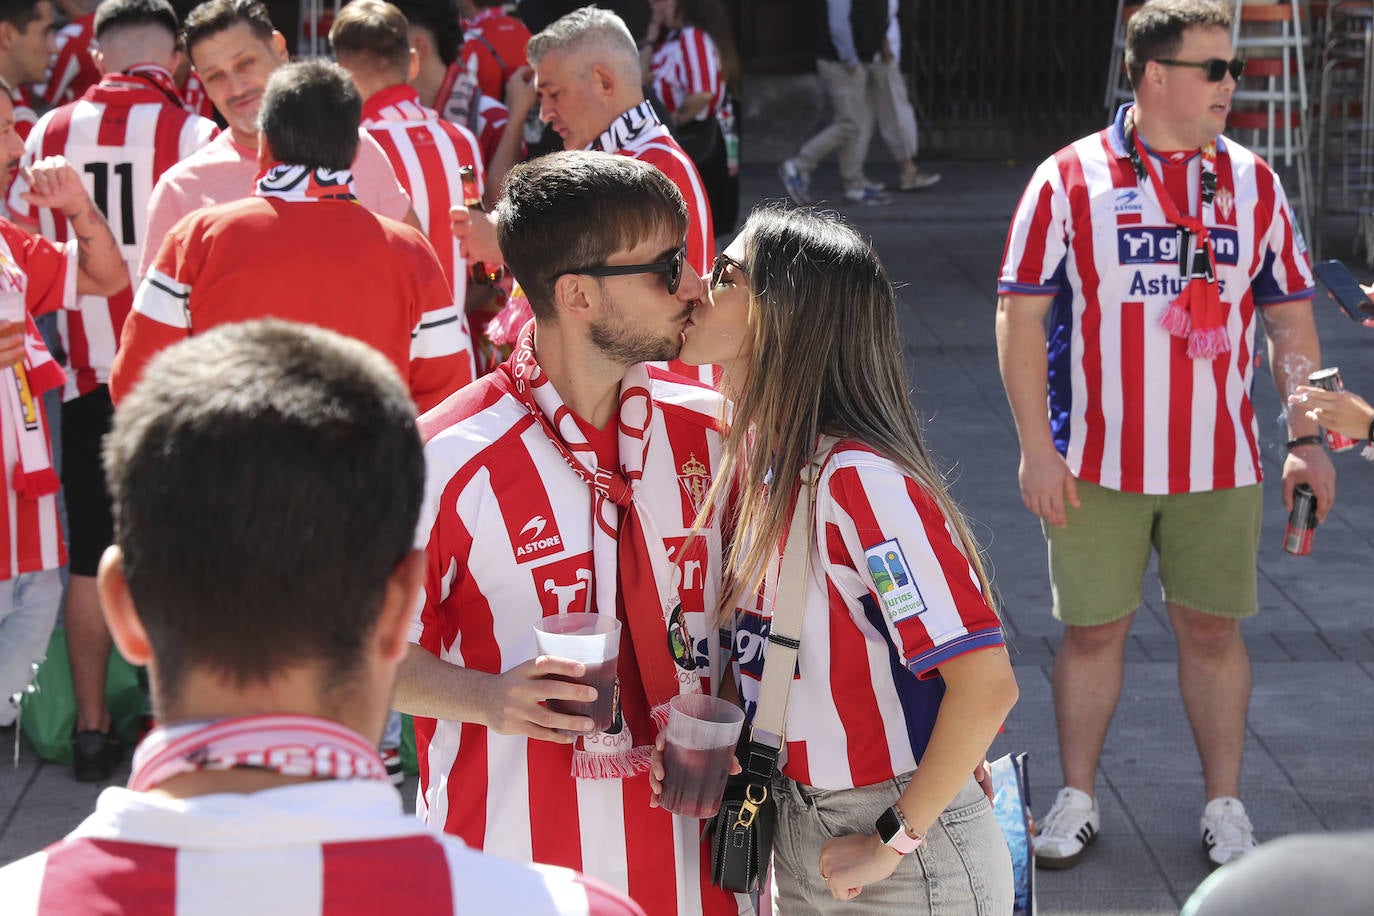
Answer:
(1153, 247)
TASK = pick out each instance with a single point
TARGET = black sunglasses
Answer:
(1216, 68)
(672, 267)
(718, 267)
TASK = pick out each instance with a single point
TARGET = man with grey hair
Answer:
(584, 72)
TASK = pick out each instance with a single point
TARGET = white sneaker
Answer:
(1226, 831)
(796, 182)
(1067, 830)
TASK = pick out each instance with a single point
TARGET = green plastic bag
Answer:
(48, 714)
(409, 762)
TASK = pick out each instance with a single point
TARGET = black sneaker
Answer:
(94, 754)
(391, 759)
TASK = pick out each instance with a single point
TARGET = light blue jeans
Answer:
(964, 868)
(28, 610)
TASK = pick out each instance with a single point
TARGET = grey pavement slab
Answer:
(1310, 742)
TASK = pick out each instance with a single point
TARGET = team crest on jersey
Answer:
(1225, 202)
(892, 580)
(537, 538)
(695, 480)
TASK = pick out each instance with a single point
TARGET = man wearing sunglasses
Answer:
(567, 481)
(1157, 244)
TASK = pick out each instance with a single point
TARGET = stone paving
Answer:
(1309, 762)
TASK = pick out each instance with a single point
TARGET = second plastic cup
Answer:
(593, 640)
(701, 737)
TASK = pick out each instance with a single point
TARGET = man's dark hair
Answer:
(1155, 32)
(372, 35)
(19, 13)
(310, 114)
(266, 479)
(117, 14)
(576, 209)
(440, 19)
(214, 16)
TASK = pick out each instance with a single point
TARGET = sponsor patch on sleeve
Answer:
(892, 580)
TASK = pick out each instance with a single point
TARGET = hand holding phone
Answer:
(1345, 289)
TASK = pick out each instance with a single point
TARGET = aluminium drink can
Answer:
(1330, 380)
(1302, 521)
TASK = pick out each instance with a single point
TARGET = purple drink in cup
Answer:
(601, 711)
(593, 640)
(700, 742)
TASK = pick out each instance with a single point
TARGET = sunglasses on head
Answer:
(1215, 68)
(718, 268)
(672, 267)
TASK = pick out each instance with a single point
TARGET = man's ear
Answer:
(398, 605)
(420, 46)
(278, 45)
(117, 604)
(99, 60)
(414, 69)
(7, 33)
(603, 81)
(576, 296)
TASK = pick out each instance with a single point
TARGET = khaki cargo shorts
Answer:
(1207, 543)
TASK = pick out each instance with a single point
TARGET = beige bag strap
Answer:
(784, 632)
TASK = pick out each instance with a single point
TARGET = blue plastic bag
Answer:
(1011, 804)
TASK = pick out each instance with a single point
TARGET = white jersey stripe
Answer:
(204, 875)
(164, 300)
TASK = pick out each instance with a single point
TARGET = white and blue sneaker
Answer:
(869, 196)
(1067, 830)
(796, 182)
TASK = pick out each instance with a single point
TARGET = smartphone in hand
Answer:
(1346, 289)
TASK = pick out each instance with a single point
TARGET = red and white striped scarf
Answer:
(634, 577)
(24, 385)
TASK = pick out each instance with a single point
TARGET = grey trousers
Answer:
(964, 868)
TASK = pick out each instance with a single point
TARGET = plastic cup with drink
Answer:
(699, 746)
(593, 640)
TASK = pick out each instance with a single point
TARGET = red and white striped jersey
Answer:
(426, 153)
(31, 531)
(1129, 409)
(120, 136)
(330, 848)
(224, 170)
(507, 529)
(25, 110)
(330, 263)
(686, 63)
(492, 118)
(197, 100)
(889, 598)
(71, 69)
